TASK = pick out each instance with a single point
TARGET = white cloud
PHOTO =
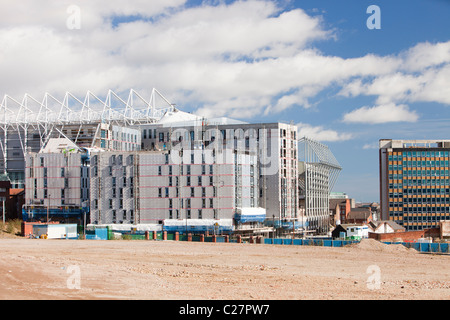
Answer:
(368, 146)
(320, 133)
(381, 114)
(238, 59)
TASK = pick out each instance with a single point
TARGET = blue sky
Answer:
(314, 63)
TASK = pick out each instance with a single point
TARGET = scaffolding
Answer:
(319, 174)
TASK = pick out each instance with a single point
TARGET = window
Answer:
(160, 192)
(200, 213)
(167, 192)
(159, 170)
(211, 202)
(110, 203)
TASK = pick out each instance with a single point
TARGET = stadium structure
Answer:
(27, 125)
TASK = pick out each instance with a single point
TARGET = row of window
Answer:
(192, 192)
(126, 216)
(413, 154)
(175, 214)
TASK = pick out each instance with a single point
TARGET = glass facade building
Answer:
(415, 182)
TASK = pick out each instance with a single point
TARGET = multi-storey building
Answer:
(275, 145)
(150, 187)
(57, 182)
(415, 182)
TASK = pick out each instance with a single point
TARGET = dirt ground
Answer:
(169, 270)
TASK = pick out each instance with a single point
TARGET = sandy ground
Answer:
(169, 270)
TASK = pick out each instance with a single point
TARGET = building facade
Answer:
(151, 187)
(415, 182)
(275, 145)
(57, 186)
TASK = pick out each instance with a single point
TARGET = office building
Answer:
(415, 182)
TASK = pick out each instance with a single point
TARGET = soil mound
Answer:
(374, 245)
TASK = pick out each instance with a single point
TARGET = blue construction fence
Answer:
(425, 247)
(309, 242)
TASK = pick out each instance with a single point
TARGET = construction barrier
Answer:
(309, 242)
(425, 247)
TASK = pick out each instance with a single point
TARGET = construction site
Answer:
(139, 165)
(176, 270)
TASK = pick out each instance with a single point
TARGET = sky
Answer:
(346, 75)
